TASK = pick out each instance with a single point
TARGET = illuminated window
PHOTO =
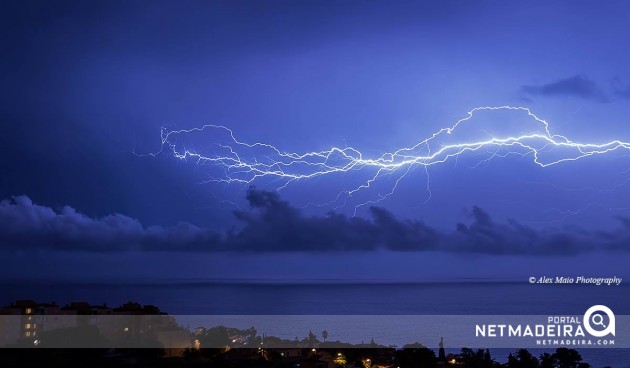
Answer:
(27, 334)
(27, 326)
(126, 329)
(29, 311)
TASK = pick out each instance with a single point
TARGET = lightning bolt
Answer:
(246, 163)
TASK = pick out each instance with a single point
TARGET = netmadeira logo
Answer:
(595, 322)
(596, 327)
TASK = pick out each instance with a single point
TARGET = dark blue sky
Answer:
(86, 84)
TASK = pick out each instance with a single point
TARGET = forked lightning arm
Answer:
(246, 163)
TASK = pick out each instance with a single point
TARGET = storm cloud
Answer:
(273, 225)
(620, 90)
(578, 86)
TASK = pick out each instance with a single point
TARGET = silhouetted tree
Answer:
(476, 359)
(487, 358)
(567, 358)
(312, 339)
(522, 359)
(215, 337)
(416, 356)
(547, 361)
(250, 336)
(324, 335)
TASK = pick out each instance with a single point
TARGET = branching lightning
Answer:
(247, 163)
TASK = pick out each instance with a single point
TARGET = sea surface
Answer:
(254, 297)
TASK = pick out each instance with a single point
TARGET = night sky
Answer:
(87, 88)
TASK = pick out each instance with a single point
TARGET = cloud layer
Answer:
(580, 86)
(576, 86)
(273, 225)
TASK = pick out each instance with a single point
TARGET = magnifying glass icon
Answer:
(598, 320)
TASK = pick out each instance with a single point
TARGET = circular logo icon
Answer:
(599, 321)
